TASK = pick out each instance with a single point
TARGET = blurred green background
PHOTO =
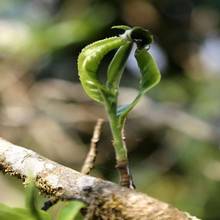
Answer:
(173, 135)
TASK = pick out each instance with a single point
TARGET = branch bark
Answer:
(105, 200)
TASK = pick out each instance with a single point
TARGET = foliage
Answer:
(32, 211)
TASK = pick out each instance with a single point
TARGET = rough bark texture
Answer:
(106, 200)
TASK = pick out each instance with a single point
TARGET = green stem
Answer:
(119, 144)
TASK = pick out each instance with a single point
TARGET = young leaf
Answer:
(70, 211)
(88, 64)
(117, 66)
(150, 76)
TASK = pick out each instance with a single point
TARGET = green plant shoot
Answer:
(107, 93)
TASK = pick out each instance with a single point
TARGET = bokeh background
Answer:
(173, 135)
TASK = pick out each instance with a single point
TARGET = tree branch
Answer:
(107, 200)
(91, 156)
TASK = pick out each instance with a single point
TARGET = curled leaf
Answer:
(150, 76)
(88, 64)
(150, 73)
(117, 66)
